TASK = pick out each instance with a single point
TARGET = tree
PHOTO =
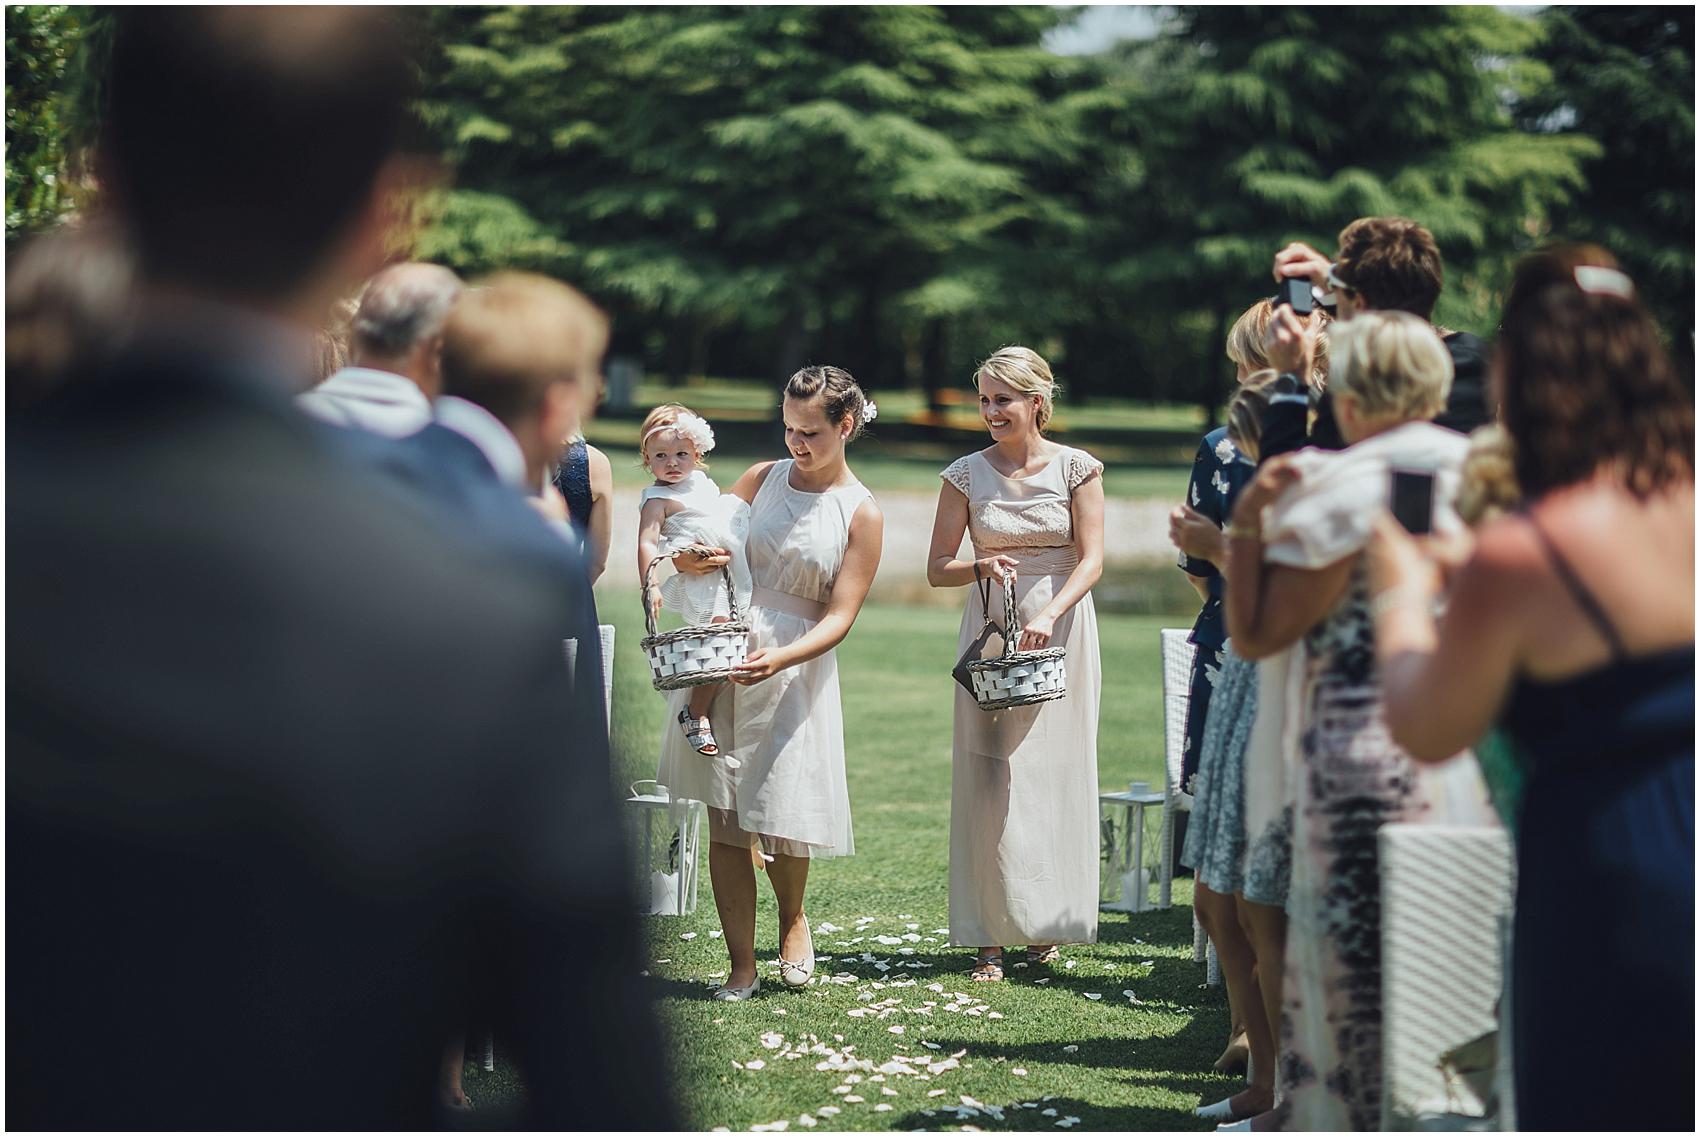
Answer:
(830, 181)
(40, 179)
(1266, 125)
(1625, 77)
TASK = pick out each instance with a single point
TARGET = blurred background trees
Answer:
(903, 189)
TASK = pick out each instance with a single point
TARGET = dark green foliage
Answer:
(40, 43)
(1625, 76)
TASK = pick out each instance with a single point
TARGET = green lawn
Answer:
(1137, 1065)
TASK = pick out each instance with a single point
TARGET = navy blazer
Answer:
(451, 474)
(284, 772)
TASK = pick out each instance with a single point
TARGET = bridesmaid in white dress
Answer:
(814, 543)
(1024, 781)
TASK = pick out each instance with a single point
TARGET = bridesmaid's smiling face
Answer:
(815, 441)
(1007, 413)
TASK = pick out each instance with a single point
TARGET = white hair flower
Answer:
(692, 426)
(870, 411)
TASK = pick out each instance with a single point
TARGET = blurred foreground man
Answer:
(287, 795)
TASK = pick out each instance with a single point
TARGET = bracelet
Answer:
(1399, 596)
(1250, 532)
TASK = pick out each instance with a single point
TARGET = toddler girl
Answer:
(683, 508)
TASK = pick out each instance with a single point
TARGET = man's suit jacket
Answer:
(285, 800)
(456, 481)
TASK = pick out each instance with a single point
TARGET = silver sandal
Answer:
(699, 734)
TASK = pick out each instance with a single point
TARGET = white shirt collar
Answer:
(485, 431)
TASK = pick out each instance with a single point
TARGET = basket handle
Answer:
(649, 585)
(1011, 631)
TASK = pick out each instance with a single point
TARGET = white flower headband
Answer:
(692, 426)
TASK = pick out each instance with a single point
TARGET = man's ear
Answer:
(563, 409)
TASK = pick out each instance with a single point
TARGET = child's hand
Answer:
(701, 563)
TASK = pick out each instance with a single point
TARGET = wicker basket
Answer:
(1017, 678)
(700, 653)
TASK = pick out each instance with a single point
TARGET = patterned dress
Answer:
(1353, 779)
(1218, 474)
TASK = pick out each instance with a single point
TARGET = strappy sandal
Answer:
(699, 734)
(988, 968)
(1043, 956)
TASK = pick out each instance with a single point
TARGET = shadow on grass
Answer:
(1092, 1118)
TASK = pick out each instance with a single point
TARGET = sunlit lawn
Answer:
(1134, 1065)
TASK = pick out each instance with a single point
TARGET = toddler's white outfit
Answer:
(709, 517)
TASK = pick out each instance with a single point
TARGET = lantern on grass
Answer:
(664, 843)
(1125, 873)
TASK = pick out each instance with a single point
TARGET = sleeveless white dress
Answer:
(707, 517)
(789, 792)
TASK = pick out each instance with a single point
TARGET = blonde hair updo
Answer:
(1024, 370)
(1393, 364)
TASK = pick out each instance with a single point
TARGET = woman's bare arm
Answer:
(849, 591)
(601, 511)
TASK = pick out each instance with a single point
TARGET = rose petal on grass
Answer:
(1094, 995)
(807, 1122)
(688, 936)
(1019, 1072)
(1048, 1112)
(1070, 1048)
(854, 1098)
(755, 1064)
(829, 1111)
(1069, 965)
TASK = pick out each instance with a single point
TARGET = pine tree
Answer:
(1625, 77)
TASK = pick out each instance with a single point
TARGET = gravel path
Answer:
(1134, 530)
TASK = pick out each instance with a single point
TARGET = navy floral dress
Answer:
(1219, 472)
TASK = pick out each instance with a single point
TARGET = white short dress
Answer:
(717, 520)
(789, 793)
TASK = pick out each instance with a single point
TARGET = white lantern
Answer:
(664, 842)
(1125, 873)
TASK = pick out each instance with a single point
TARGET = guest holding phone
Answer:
(1572, 625)
(1296, 572)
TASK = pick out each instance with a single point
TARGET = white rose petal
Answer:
(755, 1064)
(894, 1030)
(807, 1122)
(1048, 1112)
(1019, 1072)
(688, 936)
(854, 1098)
(1094, 995)
(1069, 965)
(1070, 1048)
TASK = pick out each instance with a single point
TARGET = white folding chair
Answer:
(1178, 653)
(1444, 893)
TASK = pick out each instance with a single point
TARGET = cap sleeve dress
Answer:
(1024, 781)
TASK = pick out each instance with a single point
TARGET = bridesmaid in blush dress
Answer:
(1024, 780)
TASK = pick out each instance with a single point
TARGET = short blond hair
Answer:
(1393, 364)
(1248, 338)
(1026, 371)
(511, 338)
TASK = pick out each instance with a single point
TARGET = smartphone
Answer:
(1295, 292)
(1411, 495)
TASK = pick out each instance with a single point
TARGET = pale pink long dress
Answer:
(1024, 781)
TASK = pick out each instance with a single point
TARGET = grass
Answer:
(1149, 448)
(1135, 1066)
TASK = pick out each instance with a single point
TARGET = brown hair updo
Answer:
(1584, 381)
(839, 394)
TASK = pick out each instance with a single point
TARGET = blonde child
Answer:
(683, 508)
